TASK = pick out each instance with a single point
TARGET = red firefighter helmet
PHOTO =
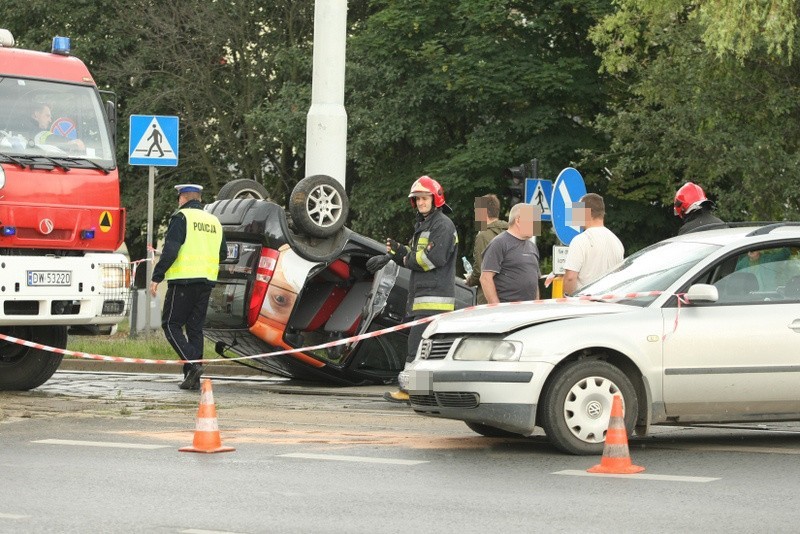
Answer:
(427, 185)
(689, 198)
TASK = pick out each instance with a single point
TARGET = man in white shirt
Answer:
(595, 251)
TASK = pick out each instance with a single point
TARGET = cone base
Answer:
(617, 470)
(195, 449)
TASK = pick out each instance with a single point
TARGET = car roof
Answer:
(742, 233)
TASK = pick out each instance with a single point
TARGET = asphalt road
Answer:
(99, 453)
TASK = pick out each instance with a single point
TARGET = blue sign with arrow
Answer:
(153, 140)
(567, 192)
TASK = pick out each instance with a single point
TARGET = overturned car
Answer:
(301, 279)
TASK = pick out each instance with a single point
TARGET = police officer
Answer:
(193, 249)
(432, 260)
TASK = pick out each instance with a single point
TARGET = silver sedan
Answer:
(699, 328)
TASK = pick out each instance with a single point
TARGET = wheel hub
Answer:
(594, 409)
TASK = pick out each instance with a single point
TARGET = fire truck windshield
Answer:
(42, 118)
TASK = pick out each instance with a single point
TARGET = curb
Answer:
(97, 366)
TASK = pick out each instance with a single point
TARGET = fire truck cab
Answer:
(60, 215)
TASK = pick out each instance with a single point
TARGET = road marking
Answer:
(109, 444)
(201, 531)
(664, 478)
(363, 459)
(12, 516)
(731, 448)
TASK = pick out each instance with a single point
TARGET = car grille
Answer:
(435, 349)
(447, 399)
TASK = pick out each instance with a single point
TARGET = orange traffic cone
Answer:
(616, 458)
(206, 433)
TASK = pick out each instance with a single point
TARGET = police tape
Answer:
(344, 341)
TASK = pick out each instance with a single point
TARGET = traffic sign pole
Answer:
(153, 141)
(151, 257)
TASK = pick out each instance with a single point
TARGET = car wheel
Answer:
(490, 431)
(318, 206)
(243, 188)
(576, 405)
(22, 367)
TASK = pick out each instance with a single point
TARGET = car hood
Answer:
(509, 317)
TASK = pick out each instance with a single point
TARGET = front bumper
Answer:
(95, 292)
(501, 395)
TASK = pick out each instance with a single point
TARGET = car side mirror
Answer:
(702, 293)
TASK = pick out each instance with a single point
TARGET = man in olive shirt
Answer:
(487, 211)
(193, 249)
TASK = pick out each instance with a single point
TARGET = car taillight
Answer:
(266, 267)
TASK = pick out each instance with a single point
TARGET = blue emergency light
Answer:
(61, 45)
(87, 234)
(9, 230)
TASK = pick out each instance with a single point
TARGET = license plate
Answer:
(233, 251)
(49, 278)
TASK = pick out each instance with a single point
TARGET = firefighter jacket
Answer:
(432, 260)
(698, 218)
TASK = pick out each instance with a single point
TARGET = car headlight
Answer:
(477, 349)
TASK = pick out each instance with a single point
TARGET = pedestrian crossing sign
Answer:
(538, 193)
(153, 140)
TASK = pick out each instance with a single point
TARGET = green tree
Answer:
(707, 97)
(460, 90)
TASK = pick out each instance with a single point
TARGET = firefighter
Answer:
(432, 261)
(694, 208)
(193, 249)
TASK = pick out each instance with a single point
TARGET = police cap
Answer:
(189, 188)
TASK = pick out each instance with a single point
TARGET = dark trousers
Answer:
(415, 334)
(185, 306)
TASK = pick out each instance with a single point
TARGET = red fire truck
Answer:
(60, 215)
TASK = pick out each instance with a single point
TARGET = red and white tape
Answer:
(353, 339)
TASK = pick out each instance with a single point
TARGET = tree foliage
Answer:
(705, 98)
(664, 91)
(460, 90)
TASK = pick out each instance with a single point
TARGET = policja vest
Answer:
(198, 257)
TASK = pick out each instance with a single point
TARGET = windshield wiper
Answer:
(12, 159)
(54, 162)
(92, 163)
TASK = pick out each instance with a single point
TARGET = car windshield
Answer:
(40, 119)
(654, 268)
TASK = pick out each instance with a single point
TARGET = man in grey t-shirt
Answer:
(510, 267)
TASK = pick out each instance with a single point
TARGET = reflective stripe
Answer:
(421, 257)
(41, 138)
(423, 261)
(433, 304)
(198, 257)
(205, 424)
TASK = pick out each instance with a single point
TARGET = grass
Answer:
(151, 346)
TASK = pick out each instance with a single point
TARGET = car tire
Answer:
(490, 431)
(243, 188)
(318, 206)
(575, 406)
(23, 368)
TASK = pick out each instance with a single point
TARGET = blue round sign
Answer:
(568, 189)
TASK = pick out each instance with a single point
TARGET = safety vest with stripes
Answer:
(198, 257)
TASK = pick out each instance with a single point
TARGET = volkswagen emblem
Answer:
(594, 409)
(45, 226)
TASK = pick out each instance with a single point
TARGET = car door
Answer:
(737, 358)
